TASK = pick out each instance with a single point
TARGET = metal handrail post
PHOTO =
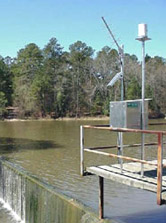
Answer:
(120, 149)
(81, 150)
(101, 197)
(159, 168)
(120, 134)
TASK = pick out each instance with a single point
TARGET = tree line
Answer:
(53, 82)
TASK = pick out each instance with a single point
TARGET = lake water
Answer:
(50, 151)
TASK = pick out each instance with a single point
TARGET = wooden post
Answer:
(101, 197)
(81, 150)
(159, 168)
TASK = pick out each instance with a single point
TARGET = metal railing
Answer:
(159, 165)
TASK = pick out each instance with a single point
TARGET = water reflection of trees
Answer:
(10, 145)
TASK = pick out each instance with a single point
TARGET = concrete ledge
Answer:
(130, 175)
(39, 202)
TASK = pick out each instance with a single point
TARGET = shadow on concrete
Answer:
(155, 216)
(153, 173)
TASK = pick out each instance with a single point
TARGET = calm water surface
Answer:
(50, 150)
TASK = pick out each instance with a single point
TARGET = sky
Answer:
(37, 21)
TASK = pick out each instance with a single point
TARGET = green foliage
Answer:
(28, 61)
(149, 94)
(40, 92)
(79, 59)
(53, 82)
(6, 78)
(3, 102)
(79, 52)
(133, 90)
(97, 104)
(25, 69)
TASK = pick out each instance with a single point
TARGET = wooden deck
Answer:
(130, 175)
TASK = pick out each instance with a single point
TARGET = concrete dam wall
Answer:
(37, 202)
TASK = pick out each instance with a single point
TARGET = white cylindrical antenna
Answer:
(142, 30)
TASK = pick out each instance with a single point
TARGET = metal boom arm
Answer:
(109, 30)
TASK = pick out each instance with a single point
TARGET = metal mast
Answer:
(118, 76)
(121, 57)
(142, 36)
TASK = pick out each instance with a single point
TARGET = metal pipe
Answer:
(81, 150)
(142, 36)
(159, 169)
(121, 157)
(122, 98)
(143, 81)
(122, 72)
(121, 58)
(101, 197)
(143, 107)
(109, 30)
(120, 148)
(124, 146)
(124, 129)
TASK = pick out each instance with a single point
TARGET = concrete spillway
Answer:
(34, 201)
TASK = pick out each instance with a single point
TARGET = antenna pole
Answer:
(142, 36)
(122, 72)
(109, 30)
(121, 56)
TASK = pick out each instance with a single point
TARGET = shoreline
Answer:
(83, 118)
(92, 118)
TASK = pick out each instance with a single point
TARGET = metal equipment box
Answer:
(127, 114)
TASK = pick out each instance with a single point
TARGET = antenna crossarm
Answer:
(109, 30)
